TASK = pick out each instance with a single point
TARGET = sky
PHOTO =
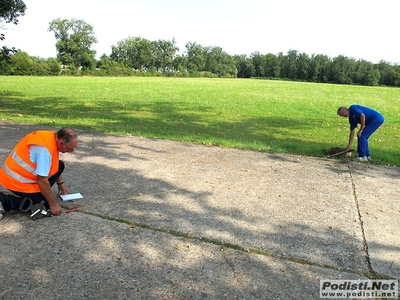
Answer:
(360, 29)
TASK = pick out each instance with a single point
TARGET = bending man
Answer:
(34, 166)
(369, 121)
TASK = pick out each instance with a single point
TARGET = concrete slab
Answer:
(78, 256)
(378, 196)
(283, 205)
(168, 220)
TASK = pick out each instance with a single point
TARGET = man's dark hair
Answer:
(339, 109)
(67, 134)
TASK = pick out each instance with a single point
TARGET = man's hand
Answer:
(45, 189)
(62, 189)
(55, 209)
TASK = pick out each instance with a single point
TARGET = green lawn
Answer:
(278, 116)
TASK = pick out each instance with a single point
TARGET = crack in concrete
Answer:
(360, 219)
(230, 246)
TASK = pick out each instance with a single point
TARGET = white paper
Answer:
(70, 197)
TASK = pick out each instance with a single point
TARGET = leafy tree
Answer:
(180, 64)
(373, 77)
(5, 53)
(244, 66)
(395, 75)
(385, 69)
(303, 62)
(258, 62)
(164, 53)
(290, 65)
(318, 68)
(104, 62)
(40, 67)
(341, 70)
(366, 74)
(281, 62)
(196, 57)
(54, 67)
(10, 11)
(145, 56)
(21, 64)
(220, 63)
(5, 57)
(272, 66)
(74, 40)
(109, 67)
(135, 53)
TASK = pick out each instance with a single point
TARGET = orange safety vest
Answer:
(18, 172)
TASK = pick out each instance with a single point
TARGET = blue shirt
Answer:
(40, 156)
(357, 110)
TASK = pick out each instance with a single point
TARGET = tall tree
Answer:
(196, 57)
(5, 53)
(21, 64)
(164, 53)
(244, 66)
(135, 53)
(220, 63)
(258, 62)
(272, 67)
(303, 62)
(318, 68)
(366, 74)
(290, 65)
(74, 40)
(395, 74)
(341, 69)
(180, 64)
(385, 70)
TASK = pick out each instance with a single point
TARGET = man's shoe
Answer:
(362, 159)
(369, 157)
(1, 210)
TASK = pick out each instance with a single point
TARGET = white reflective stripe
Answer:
(17, 176)
(23, 164)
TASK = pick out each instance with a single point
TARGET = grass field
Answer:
(277, 116)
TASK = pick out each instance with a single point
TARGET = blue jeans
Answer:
(11, 202)
(363, 149)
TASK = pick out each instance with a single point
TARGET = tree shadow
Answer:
(85, 256)
(147, 245)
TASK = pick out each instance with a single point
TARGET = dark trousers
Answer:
(12, 202)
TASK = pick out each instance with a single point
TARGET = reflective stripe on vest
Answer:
(21, 176)
(16, 176)
(22, 164)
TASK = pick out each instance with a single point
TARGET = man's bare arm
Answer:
(45, 189)
(351, 138)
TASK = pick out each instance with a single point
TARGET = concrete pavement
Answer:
(168, 220)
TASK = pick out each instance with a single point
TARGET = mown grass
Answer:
(278, 116)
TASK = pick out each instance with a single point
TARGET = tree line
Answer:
(136, 56)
